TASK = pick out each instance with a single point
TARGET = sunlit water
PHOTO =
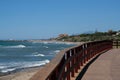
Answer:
(16, 55)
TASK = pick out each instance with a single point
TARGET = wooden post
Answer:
(68, 67)
(73, 72)
(117, 43)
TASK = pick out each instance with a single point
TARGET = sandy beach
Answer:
(22, 75)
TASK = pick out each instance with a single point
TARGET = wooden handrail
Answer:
(67, 62)
(116, 43)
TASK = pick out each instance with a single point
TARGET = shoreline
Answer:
(24, 74)
(27, 73)
(54, 41)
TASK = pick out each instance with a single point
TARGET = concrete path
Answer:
(105, 67)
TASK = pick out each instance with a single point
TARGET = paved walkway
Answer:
(105, 67)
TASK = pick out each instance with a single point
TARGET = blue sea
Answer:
(18, 55)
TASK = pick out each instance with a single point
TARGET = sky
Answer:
(42, 19)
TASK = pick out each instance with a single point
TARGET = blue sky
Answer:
(38, 19)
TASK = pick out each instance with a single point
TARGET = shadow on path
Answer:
(81, 74)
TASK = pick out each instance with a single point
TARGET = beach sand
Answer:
(22, 75)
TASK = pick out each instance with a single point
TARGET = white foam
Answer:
(21, 46)
(56, 51)
(39, 55)
(2, 67)
(17, 46)
(7, 70)
(54, 42)
(21, 65)
(45, 46)
(35, 64)
(45, 42)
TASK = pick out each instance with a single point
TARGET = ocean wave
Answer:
(57, 51)
(39, 55)
(2, 67)
(45, 42)
(22, 65)
(8, 70)
(45, 46)
(17, 46)
(35, 64)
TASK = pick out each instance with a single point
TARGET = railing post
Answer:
(72, 72)
(68, 74)
(117, 43)
(72, 63)
(75, 61)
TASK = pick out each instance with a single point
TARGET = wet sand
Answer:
(21, 75)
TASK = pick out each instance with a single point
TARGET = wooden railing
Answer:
(116, 44)
(67, 62)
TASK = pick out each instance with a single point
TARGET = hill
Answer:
(96, 36)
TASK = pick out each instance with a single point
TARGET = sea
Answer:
(18, 55)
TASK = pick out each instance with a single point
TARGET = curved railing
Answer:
(67, 62)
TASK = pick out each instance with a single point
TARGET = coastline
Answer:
(55, 41)
(26, 74)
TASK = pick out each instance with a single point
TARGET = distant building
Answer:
(63, 35)
(118, 33)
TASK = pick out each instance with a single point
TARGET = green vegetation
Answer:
(96, 36)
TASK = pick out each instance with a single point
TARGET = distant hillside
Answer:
(96, 36)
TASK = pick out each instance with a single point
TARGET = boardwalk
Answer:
(105, 67)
